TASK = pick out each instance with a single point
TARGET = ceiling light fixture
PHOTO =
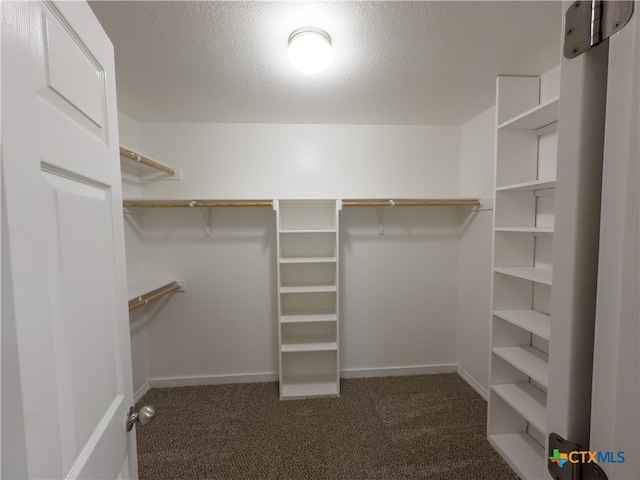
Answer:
(310, 49)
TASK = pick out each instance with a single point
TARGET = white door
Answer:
(615, 409)
(66, 366)
(596, 341)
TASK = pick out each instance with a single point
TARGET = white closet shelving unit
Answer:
(526, 156)
(308, 305)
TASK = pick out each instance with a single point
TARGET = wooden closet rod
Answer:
(153, 295)
(136, 157)
(196, 203)
(269, 203)
(411, 203)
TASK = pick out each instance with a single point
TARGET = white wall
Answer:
(399, 290)
(224, 324)
(291, 161)
(136, 264)
(475, 251)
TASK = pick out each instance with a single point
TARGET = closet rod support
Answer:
(207, 216)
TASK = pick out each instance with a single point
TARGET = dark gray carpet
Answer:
(418, 427)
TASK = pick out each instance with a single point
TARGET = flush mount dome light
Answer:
(310, 49)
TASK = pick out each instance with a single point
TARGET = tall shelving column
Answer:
(308, 297)
(526, 157)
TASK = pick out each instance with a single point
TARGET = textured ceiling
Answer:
(426, 62)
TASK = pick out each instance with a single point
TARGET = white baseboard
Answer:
(397, 371)
(141, 391)
(212, 380)
(273, 377)
(473, 383)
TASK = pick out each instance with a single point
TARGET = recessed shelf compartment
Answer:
(309, 318)
(310, 215)
(525, 209)
(529, 320)
(306, 386)
(309, 289)
(525, 399)
(535, 274)
(308, 245)
(534, 118)
(526, 159)
(307, 230)
(300, 274)
(533, 230)
(309, 373)
(308, 304)
(528, 360)
(522, 453)
(308, 260)
(309, 343)
(528, 186)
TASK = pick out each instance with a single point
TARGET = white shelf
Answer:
(535, 118)
(535, 274)
(288, 231)
(309, 289)
(527, 400)
(522, 453)
(529, 320)
(309, 343)
(534, 230)
(309, 386)
(528, 186)
(308, 260)
(528, 360)
(309, 318)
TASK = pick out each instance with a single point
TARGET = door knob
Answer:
(142, 416)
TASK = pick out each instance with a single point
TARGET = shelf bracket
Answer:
(207, 216)
(382, 211)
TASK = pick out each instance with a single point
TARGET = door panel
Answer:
(81, 275)
(615, 414)
(65, 244)
(71, 70)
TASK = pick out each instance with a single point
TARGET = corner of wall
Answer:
(129, 136)
(128, 130)
(475, 252)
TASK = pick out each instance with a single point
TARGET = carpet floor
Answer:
(414, 427)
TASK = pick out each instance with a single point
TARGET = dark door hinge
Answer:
(588, 23)
(563, 466)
